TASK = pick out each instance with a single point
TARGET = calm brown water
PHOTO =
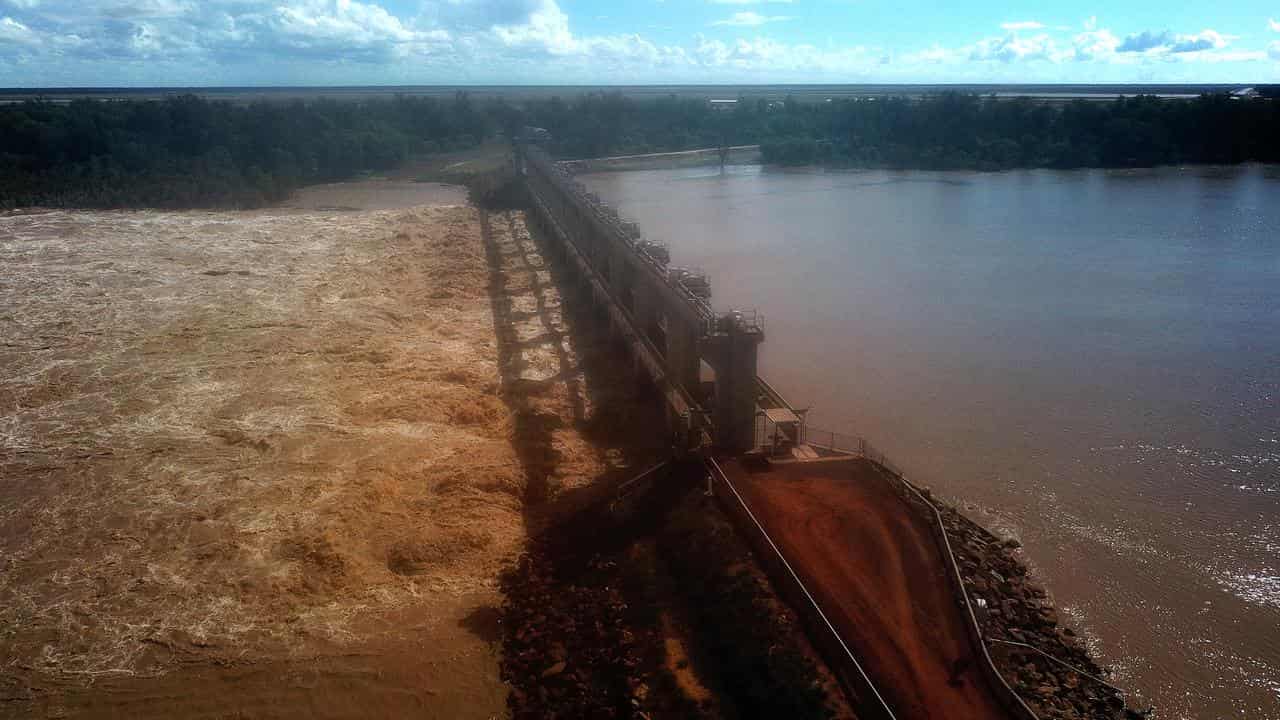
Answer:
(1090, 360)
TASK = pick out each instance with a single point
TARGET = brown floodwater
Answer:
(1089, 360)
(254, 464)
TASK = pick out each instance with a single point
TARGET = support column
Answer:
(682, 356)
(732, 351)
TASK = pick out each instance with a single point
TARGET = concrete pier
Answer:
(731, 350)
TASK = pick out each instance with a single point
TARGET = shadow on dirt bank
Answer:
(582, 423)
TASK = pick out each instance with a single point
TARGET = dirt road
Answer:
(879, 577)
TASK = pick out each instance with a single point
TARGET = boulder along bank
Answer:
(1041, 660)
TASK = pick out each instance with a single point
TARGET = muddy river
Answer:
(1089, 360)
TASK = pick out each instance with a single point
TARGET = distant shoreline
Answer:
(750, 155)
(809, 92)
(738, 155)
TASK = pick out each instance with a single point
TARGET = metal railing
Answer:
(745, 319)
(833, 441)
(849, 445)
(571, 201)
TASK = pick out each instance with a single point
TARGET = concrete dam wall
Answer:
(663, 312)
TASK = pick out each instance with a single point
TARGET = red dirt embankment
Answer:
(877, 573)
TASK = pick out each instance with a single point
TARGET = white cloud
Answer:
(341, 20)
(764, 54)
(12, 31)
(1204, 40)
(1144, 41)
(932, 55)
(546, 28)
(546, 34)
(1094, 44)
(510, 41)
(1275, 26)
(1228, 56)
(1097, 46)
(750, 19)
(1163, 43)
(1013, 47)
(336, 30)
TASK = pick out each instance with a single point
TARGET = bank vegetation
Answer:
(187, 151)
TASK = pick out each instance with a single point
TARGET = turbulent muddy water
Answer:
(1090, 360)
(253, 464)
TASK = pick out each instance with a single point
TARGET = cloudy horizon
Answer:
(48, 43)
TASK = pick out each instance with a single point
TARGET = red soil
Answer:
(874, 568)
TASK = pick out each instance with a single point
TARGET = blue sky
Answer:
(325, 42)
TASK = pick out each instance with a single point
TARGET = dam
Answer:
(662, 313)
(860, 553)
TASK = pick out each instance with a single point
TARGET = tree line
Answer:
(953, 131)
(943, 131)
(191, 152)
